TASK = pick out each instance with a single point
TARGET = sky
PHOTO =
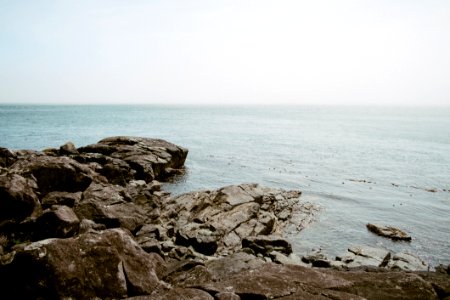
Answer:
(379, 52)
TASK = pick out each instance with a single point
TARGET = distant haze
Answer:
(225, 52)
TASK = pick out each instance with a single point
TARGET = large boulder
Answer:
(107, 264)
(110, 205)
(55, 173)
(18, 199)
(59, 221)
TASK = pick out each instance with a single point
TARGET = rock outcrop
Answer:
(93, 223)
(389, 232)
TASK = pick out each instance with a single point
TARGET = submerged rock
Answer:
(389, 232)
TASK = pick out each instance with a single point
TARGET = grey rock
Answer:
(408, 262)
(369, 256)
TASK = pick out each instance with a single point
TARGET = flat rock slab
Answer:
(389, 232)
(274, 281)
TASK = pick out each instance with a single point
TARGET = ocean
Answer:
(387, 165)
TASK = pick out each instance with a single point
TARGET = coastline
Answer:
(200, 242)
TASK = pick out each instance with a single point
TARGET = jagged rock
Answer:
(216, 222)
(408, 262)
(57, 222)
(203, 239)
(117, 171)
(55, 173)
(389, 232)
(109, 205)
(150, 245)
(68, 148)
(7, 158)
(61, 198)
(267, 244)
(18, 199)
(152, 231)
(107, 264)
(148, 157)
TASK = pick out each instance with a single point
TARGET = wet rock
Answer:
(107, 264)
(267, 244)
(389, 232)
(18, 199)
(61, 198)
(68, 149)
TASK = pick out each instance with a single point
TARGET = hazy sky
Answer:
(209, 52)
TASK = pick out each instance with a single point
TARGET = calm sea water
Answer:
(398, 151)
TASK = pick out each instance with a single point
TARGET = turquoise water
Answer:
(314, 149)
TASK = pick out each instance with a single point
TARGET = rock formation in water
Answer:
(93, 222)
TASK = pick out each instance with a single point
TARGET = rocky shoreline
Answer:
(93, 223)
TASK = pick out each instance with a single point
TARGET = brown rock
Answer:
(106, 264)
(61, 198)
(18, 199)
(267, 244)
(7, 158)
(68, 148)
(55, 173)
(57, 222)
(389, 232)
